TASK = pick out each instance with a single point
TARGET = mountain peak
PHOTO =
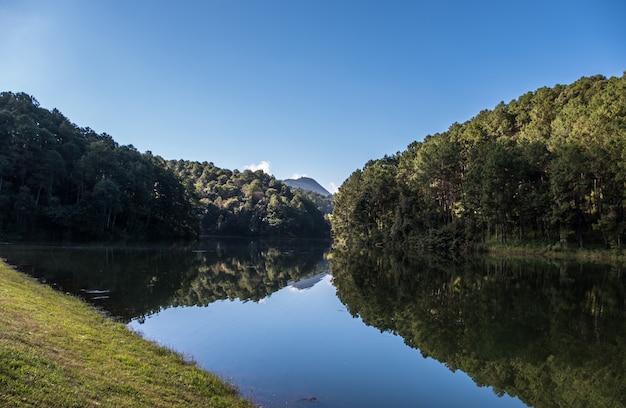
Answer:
(306, 183)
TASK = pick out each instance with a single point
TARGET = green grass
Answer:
(56, 351)
(556, 251)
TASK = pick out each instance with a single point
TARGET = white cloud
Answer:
(333, 188)
(263, 165)
(298, 175)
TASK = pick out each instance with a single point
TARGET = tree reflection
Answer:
(131, 282)
(552, 334)
(248, 272)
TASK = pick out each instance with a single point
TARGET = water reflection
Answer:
(247, 272)
(552, 334)
(131, 282)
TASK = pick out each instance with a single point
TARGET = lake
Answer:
(296, 324)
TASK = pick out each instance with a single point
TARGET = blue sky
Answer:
(304, 87)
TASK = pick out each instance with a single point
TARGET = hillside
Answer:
(59, 181)
(314, 191)
(547, 168)
(306, 183)
(249, 203)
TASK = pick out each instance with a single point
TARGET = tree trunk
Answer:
(38, 195)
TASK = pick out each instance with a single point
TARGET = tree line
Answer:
(249, 203)
(548, 167)
(63, 182)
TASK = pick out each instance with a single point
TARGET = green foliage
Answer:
(64, 182)
(59, 181)
(249, 203)
(547, 167)
(324, 203)
(364, 205)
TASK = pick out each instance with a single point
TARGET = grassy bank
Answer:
(555, 252)
(56, 351)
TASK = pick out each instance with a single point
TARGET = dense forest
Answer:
(249, 203)
(549, 167)
(63, 182)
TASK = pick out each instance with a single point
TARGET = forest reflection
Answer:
(134, 282)
(552, 334)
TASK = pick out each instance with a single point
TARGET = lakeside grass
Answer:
(555, 252)
(57, 351)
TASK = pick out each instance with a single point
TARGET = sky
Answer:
(296, 87)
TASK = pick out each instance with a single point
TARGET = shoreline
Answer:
(57, 350)
(555, 252)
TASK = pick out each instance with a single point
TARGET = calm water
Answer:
(292, 324)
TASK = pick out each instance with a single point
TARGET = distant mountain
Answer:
(306, 183)
(308, 283)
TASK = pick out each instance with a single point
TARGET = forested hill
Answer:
(316, 193)
(307, 183)
(548, 167)
(249, 203)
(60, 181)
